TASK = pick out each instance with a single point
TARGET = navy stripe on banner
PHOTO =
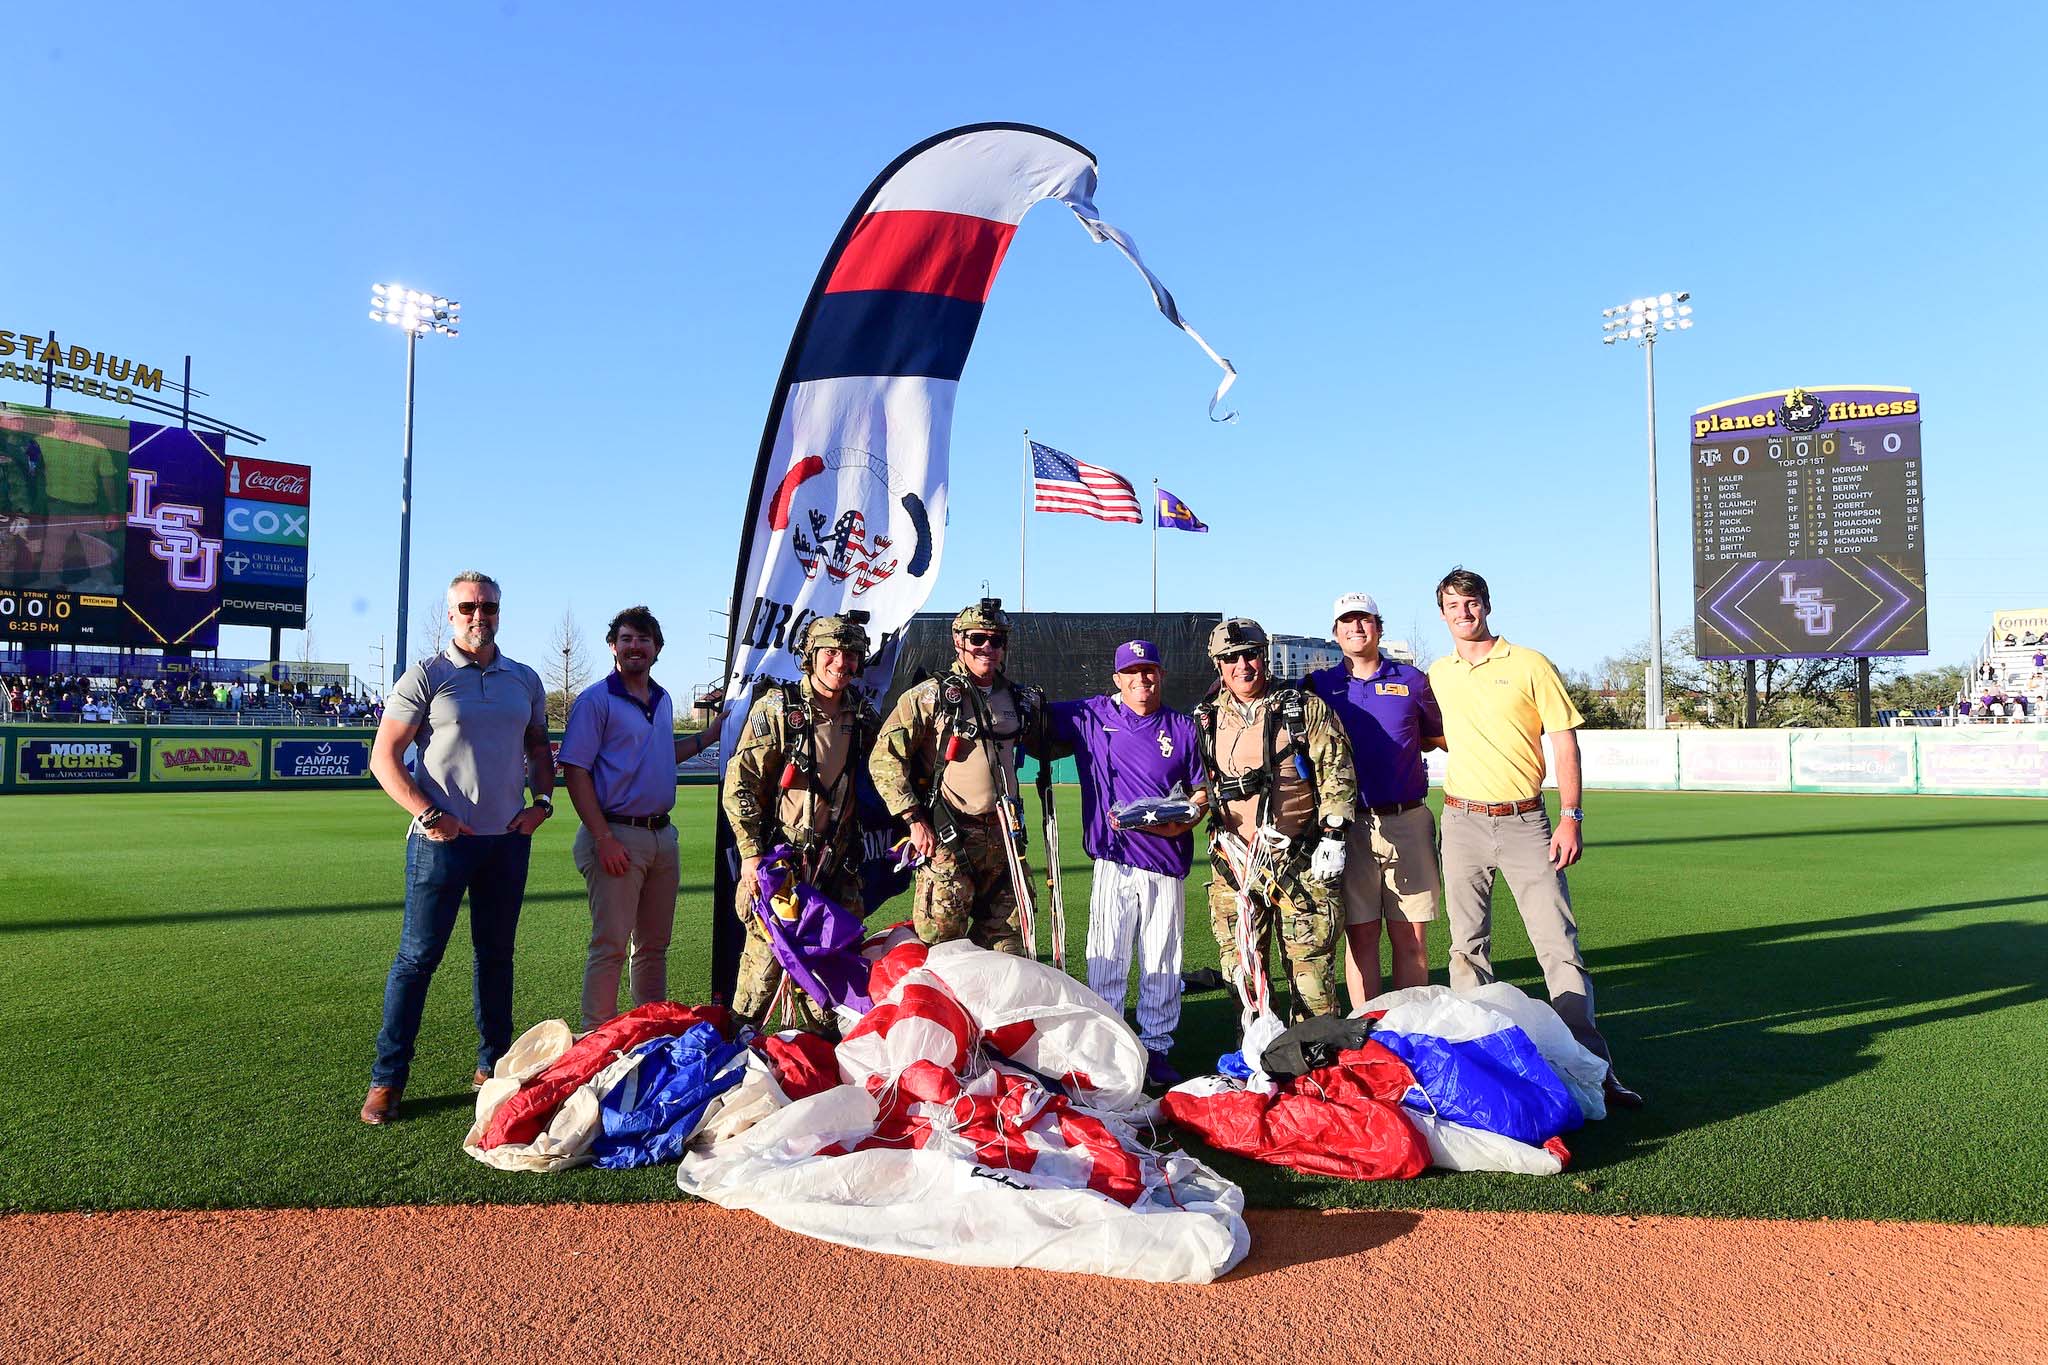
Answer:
(888, 332)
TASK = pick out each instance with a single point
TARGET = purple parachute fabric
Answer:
(820, 948)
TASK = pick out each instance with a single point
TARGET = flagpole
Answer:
(1023, 519)
(1155, 547)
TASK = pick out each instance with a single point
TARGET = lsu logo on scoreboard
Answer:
(174, 538)
(1815, 615)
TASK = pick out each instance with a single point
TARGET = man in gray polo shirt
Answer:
(619, 755)
(481, 723)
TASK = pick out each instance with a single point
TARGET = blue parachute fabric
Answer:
(1233, 1065)
(648, 1117)
(1498, 1082)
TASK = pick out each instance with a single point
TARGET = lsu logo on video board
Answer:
(78, 760)
(194, 760)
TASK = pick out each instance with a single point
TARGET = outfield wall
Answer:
(1988, 760)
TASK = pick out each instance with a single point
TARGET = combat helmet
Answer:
(987, 614)
(1238, 635)
(847, 631)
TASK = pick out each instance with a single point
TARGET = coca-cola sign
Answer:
(292, 484)
(270, 481)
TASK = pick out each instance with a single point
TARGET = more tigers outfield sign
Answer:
(76, 761)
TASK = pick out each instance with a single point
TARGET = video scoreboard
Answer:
(120, 532)
(1808, 538)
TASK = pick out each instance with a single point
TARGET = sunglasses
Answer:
(472, 608)
(979, 638)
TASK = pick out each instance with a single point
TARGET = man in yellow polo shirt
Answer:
(1498, 701)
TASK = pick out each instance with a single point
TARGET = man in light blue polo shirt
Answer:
(619, 757)
(481, 723)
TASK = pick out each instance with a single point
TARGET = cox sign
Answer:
(266, 523)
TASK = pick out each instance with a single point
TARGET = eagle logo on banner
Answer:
(848, 502)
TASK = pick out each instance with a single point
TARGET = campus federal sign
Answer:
(301, 760)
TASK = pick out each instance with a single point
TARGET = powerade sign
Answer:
(311, 759)
(78, 760)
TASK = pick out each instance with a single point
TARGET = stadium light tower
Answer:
(417, 313)
(1642, 321)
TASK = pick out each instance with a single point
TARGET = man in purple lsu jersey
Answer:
(1127, 747)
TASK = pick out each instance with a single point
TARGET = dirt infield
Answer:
(688, 1281)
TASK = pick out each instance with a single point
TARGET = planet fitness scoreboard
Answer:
(1808, 539)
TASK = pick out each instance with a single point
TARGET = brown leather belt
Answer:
(1493, 807)
(639, 821)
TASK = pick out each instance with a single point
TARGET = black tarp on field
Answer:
(1070, 653)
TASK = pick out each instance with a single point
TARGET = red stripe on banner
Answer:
(923, 251)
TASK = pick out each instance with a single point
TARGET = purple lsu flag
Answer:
(1173, 514)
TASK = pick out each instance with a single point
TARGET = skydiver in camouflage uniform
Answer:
(953, 805)
(791, 781)
(1278, 757)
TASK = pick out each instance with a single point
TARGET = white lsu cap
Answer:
(1353, 601)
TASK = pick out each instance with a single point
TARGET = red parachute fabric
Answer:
(1342, 1120)
(521, 1118)
(804, 1064)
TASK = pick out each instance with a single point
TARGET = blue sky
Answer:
(1401, 224)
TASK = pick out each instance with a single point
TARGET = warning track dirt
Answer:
(688, 1281)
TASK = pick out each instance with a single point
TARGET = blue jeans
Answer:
(492, 869)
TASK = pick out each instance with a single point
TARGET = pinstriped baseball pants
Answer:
(1129, 903)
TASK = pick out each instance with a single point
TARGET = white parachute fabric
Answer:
(938, 1202)
(1041, 1018)
(1456, 1147)
(938, 1148)
(1582, 1071)
(1415, 1009)
(570, 1131)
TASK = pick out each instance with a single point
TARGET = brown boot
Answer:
(476, 1082)
(381, 1104)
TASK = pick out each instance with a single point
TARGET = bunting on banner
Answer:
(848, 503)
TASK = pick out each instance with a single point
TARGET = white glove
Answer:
(1326, 864)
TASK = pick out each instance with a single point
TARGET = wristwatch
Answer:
(546, 803)
(1575, 813)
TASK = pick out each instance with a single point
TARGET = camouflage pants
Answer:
(965, 892)
(1310, 915)
(760, 975)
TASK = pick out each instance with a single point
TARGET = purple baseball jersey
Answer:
(1122, 756)
(1387, 716)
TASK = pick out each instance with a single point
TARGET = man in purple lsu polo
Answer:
(1129, 746)
(1390, 875)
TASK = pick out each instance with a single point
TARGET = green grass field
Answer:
(1835, 1005)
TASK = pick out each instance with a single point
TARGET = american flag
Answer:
(1061, 483)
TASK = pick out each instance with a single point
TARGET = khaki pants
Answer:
(1390, 868)
(639, 908)
(1517, 847)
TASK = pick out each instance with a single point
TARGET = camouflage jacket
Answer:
(762, 814)
(907, 753)
(1321, 741)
